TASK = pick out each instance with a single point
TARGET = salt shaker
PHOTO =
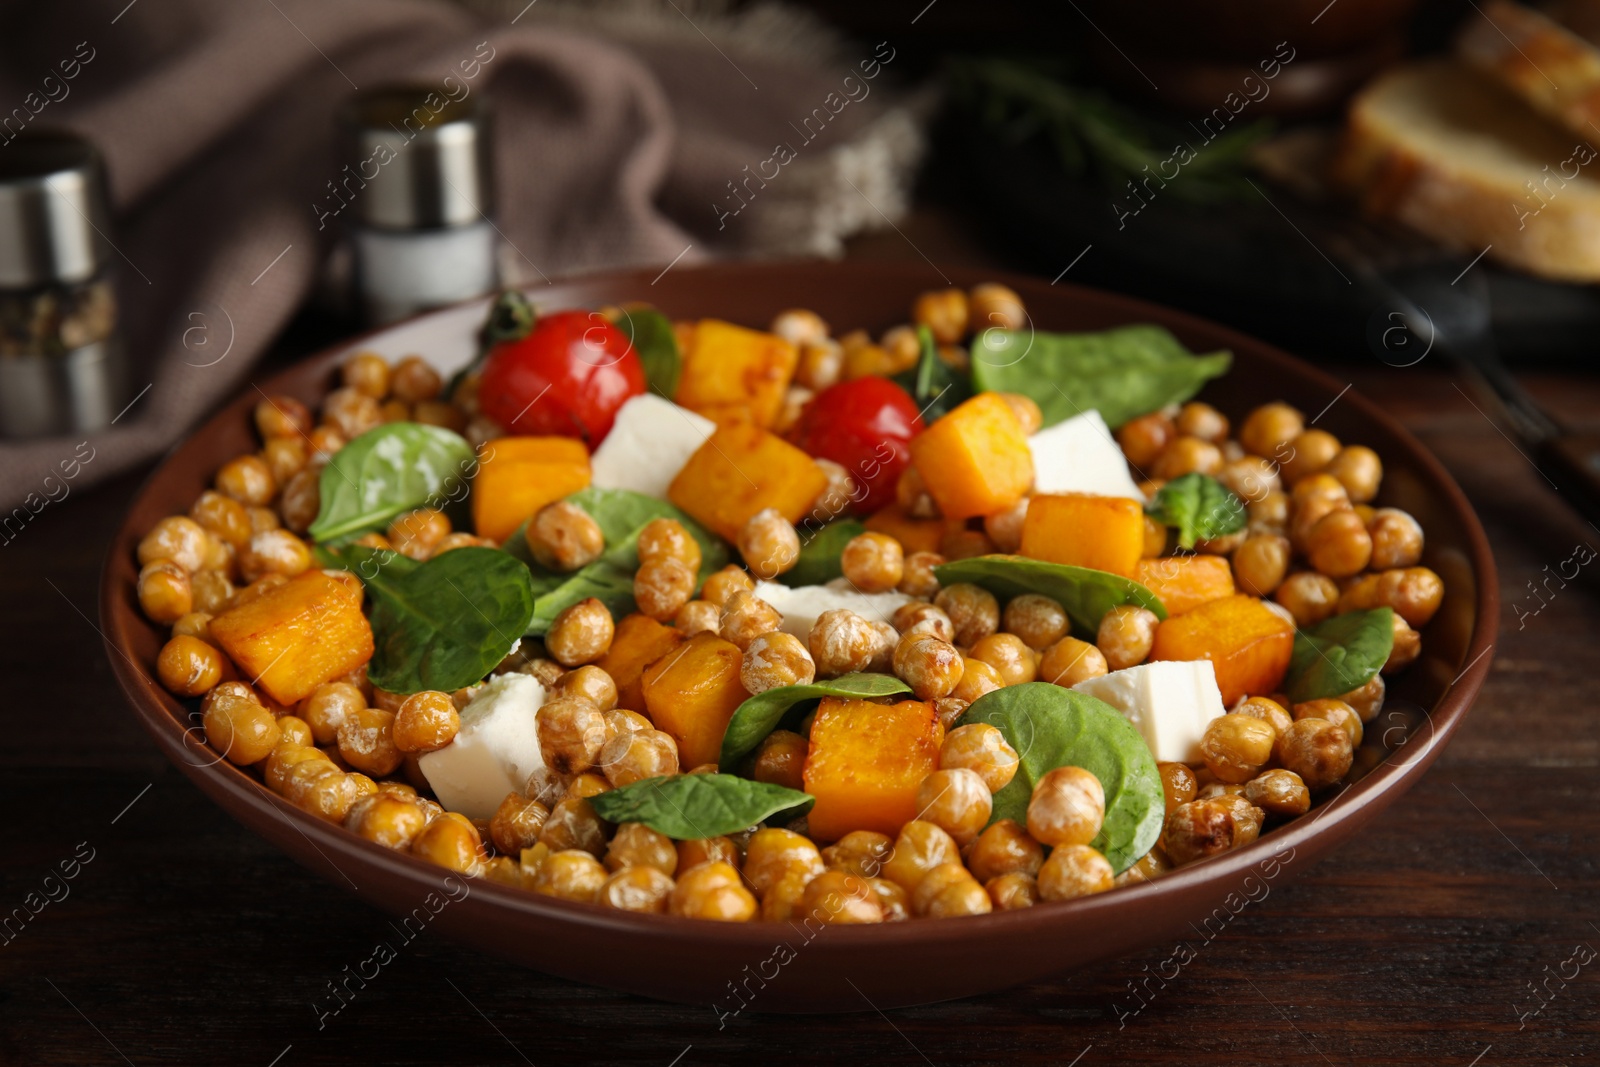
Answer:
(419, 200)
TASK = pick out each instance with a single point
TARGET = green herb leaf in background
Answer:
(759, 715)
(933, 384)
(1122, 373)
(819, 555)
(657, 346)
(1052, 727)
(389, 471)
(620, 514)
(1340, 654)
(1085, 594)
(511, 318)
(443, 624)
(1200, 507)
(686, 807)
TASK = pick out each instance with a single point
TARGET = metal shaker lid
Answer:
(420, 159)
(53, 215)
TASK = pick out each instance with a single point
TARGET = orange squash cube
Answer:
(291, 639)
(914, 535)
(1185, 582)
(1247, 643)
(865, 763)
(975, 460)
(1105, 533)
(730, 372)
(638, 642)
(740, 470)
(519, 475)
(692, 693)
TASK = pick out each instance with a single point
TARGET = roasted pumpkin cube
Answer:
(1105, 533)
(975, 460)
(638, 642)
(692, 693)
(519, 475)
(1186, 582)
(865, 763)
(914, 535)
(740, 470)
(291, 639)
(1247, 643)
(730, 372)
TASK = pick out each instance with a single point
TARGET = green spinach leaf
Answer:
(759, 715)
(510, 318)
(657, 346)
(933, 384)
(819, 554)
(690, 806)
(388, 471)
(1053, 727)
(620, 514)
(443, 624)
(1085, 594)
(1121, 373)
(1340, 654)
(1200, 507)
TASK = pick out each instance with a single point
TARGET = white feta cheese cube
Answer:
(1170, 702)
(494, 752)
(801, 605)
(1081, 456)
(648, 445)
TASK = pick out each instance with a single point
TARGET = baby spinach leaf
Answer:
(690, 806)
(933, 384)
(1340, 654)
(1084, 594)
(443, 624)
(1052, 727)
(1122, 373)
(388, 471)
(620, 514)
(819, 554)
(759, 715)
(1200, 507)
(510, 318)
(652, 337)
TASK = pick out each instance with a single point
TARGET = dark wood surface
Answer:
(1432, 939)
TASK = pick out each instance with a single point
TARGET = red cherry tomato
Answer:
(566, 378)
(863, 425)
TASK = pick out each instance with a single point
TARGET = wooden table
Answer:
(186, 940)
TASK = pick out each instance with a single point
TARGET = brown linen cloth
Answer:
(216, 121)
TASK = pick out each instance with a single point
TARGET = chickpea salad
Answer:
(697, 619)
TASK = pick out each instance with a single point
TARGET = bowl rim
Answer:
(1335, 818)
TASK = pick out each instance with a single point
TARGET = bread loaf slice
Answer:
(1436, 147)
(1537, 59)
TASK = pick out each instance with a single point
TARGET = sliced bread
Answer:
(1539, 60)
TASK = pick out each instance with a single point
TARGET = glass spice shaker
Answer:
(420, 196)
(61, 360)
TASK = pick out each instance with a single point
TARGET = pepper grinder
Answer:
(61, 360)
(422, 196)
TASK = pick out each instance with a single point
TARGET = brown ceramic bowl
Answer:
(790, 967)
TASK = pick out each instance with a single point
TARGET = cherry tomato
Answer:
(863, 425)
(567, 378)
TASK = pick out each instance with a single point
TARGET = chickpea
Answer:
(413, 380)
(1414, 593)
(366, 742)
(873, 562)
(1126, 635)
(517, 823)
(176, 539)
(977, 678)
(965, 897)
(573, 824)
(1026, 409)
(350, 412)
(1270, 428)
(1039, 621)
(400, 411)
(1011, 658)
(222, 516)
(194, 624)
(862, 852)
(620, 720)
(821, 363)
(366, 372)
(592, 684)
(1008, 892)
(920, 617)
(1269, 514)
(1145, 438)
(241, 730)
(948, 709)
(641, 889)
(1004, 848)
(570, 874)
(1186, 455)
(774, 854)
(1155, 539)
(1070, 661)
(1067, 807)
(661, 587)
(581, 633)
(956, 800)
(388, 820)
(438, 413)
(721, 586)
(918, 579)
(769, 544)
(1317, 750)
(1396, 539)
(932, 667)
(282, 416)
(1335, 711)
(973, 611)
(416, 534)
(1339, 545)
(799, 327)
(1250, 478)
(1279, 792)
(571, 732)
(426, 722)
(1236, 747)
(983, 750)
(1196, 419)
(1150, 866)
(1359, 470)
(1004, 528)
(945, 312)
(668, 539)
(1310, 597)
(841, 642)
(1308, 453)
(190, 667)
(1367, 701)
(1267, 710)
(698, 616)
(637, 755)
(327, 708)
(274, 552)
(1260, 563)
(836, 896)
(920, 847)
(1178, 784)
(712, 891)
(166, 592)
(962, 543)
(636, 845)
(1209, 827)
(1074, 871)
(992, 305)
(934, 884)
(563, 537)
(912, 496)
(903, 347)
(248, 480)
(780, 759)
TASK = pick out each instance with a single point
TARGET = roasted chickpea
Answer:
(637, 755)
(1279, 792)
(1308, 453)
(517, 823)
(992, 305)
(581, 633)
(956, 800)
(1270, 514)
(1335, 711)
(1026, 409)
(943, 311)
(1038, 620)
(274, 552)
(166, 592)
(1074, 871)
(642, 889)
(350, 412)
(983, 750)
(720, 587)
(1310, 597)
(413, 380)
(820, 364)
(746, 617)
(573, 824)
(773, 854)
(920, 847)
(571, 733)
(1317, 750)
(932, 667)
(242, 730)
(1236, 747)
(1339, 545)
(427, 721)
(248, 480)
(570, 874)
(387, 819)
(1011, 658)
(1359, 470)
(592, 684)
(1367, 701)
(977, 678)
(1269, 711)
(1396, 539)
(1145, 438)
(873, 562)
(1126, 635)
(973, 611)
(366, 372)
(1070, 661)
(190, 667)
(841, 642)
(948, 709)
(195, 624)
(911, 494)
(621, 720)
(868, 360)
(564, 537)
(769, 544)
(935, 882)
(1004, 527)
(918, 579)
(776, 659)
(1260, 563)
(1250, 478)
(1208, 827)
(712, 891)
(1149, 867)
(962, 543)
(698, 616)
(1067, 807)
(438, 413)
(1196, 419)
(1269, 429)
(366, 742)
(222, 516)
(176, 539)
(862, 852)
(1186, 455)
(661, 587)
(636, 845)
(799, 327)
(1004, 848)
(327, 708)
(417, 533)
(1011, 891)
(836, 896)
(301, 500)
(1178, 784)
(282, 416)
(780, 759)
(920, 617)
(668, 539)
(1414, 593)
